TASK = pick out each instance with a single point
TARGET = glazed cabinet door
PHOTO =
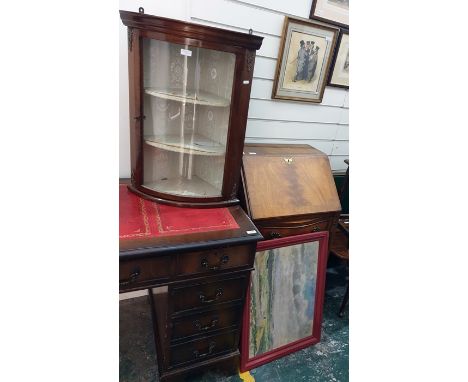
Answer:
(186, 96)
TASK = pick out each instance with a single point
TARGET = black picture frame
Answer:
(315, 14)
(343, 31)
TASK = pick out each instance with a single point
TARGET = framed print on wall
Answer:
(304, 59)
(283, 309)
(339, 71)
(332, 11)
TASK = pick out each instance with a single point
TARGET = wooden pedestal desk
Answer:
(196, 265)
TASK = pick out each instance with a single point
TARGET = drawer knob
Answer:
(222, 261)
(205, 300)
(132, 278)
(201, 328)
(211, 348)
(315, 229)
(275, 235)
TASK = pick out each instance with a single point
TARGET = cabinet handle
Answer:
(315, 229)
(211, 348)
(133, 277)
(222, 261)
(275, 235)
(204, 300)
(201, 328)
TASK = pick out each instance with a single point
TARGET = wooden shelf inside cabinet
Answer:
(188, 144)
(190, 96)
(194, 187)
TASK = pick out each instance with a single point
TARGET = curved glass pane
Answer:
(187, 99)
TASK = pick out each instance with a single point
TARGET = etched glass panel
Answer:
(282, 296)
(187, 99)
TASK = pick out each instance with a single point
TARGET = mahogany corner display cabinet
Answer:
(195, 264)
(189, 95)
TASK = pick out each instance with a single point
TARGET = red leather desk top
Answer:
(141, 218)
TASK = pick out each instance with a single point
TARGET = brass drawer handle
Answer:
(133, 277)
(211, 348)
(315, 229)
(222, 261)
(204, 300)
(201, 328)
(275, 235)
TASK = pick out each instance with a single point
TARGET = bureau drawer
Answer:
(213, 260)
(274, 232)
(200, 295)
(135, 273)
(202, 349)
(205, 323)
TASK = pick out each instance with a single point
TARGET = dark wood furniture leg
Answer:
(344, 302)
(345, 229)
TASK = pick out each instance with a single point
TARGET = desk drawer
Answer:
(202, 349)
(205, 323)
(271, 231)
(201, 295)
(134, 273)
(210, 261)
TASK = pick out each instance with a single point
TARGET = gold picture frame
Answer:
(304, 59)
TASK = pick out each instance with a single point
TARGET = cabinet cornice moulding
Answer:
(189, 30)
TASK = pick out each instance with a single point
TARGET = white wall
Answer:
(324, 126)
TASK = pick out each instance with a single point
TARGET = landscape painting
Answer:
(283, 311)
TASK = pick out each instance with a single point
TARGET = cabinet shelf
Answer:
(182, 186)
(189, 144)
(196, 98)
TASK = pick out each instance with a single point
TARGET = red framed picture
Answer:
(283, 309)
